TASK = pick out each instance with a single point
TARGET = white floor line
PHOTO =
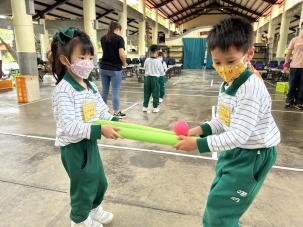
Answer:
(40, 100)
(269, 83)
(212, 83)
(176, 82)
(8, 104)
(144, 150)
(180, 89)
(128, 108)
(136, 92)
(287, 111)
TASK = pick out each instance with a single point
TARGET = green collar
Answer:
(233, 88)
(76, 85)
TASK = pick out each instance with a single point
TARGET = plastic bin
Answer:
(282, 87)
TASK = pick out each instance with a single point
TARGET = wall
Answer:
(204, 20)
(193, 33)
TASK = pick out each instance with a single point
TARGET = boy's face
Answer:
(155, 54)
(231, 63)
(226, 57)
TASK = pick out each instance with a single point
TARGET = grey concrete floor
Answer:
(150, 185)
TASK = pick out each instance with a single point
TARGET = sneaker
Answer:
(156, 110)
(119, 114)
(101, 215)
(160, 100)
(299, 107)
(144, 109)
(89, 222)
(289, 105)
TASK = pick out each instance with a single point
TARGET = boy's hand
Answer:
(110, 132)
(186, 144)
(197, 131)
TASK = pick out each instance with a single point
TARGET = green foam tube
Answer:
(133, 126)
(148, 136)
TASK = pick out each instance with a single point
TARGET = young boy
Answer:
(153, 70)
(162, 78)
(243, 130)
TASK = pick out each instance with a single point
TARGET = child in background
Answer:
(153, 70)
(76, 105)
(162, 79)
(243, 131)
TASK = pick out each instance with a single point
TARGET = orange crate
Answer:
(27, 88)
(6, 84)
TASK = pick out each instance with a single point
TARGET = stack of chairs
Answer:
(275, 71)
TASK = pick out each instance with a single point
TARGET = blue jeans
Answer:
(115, 78)
(295, 93)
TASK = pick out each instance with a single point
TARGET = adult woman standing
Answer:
(113, 59)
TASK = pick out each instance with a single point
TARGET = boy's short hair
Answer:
(153, 48)
(231, 32)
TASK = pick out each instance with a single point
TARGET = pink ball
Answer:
(181, 128)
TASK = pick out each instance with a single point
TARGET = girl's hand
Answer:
(110, 132)
(186, 144)
(197, 131)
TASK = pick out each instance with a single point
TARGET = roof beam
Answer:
(242, 7)
(49, 8)
(104, 14)
(270, 1)
(187, 8)
(163, 3)
(249, 18)
(195, 13)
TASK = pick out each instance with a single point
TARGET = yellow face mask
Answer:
(230, 72)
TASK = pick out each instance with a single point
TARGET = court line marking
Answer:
(269, 83)
(40, 100)
(128, 108)
(144, 150)
(176, 82)
(186, 95)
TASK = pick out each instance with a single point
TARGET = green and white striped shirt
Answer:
(67, 101)
(249, 124)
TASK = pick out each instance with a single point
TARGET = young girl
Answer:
(76, 105)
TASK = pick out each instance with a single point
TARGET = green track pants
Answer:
(162, 82)
(240, 174)
(88, 183)
(151, 87)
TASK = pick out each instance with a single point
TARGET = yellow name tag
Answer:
(89, 111)
(224, 114)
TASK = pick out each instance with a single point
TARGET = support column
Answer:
(89, 17)
(167, 35)
(258, 36)
(25, 39)
(44, 41)
(271, 34)
(123, 22)
(301, 19)
(142, 30)
(284, 29)
(155, 26)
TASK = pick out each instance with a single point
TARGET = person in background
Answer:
(113, 59)
(162, 78)
(295, 93)
(153, 70)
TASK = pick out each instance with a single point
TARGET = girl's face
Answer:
(77, 54)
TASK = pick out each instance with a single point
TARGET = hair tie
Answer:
(64, 35)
